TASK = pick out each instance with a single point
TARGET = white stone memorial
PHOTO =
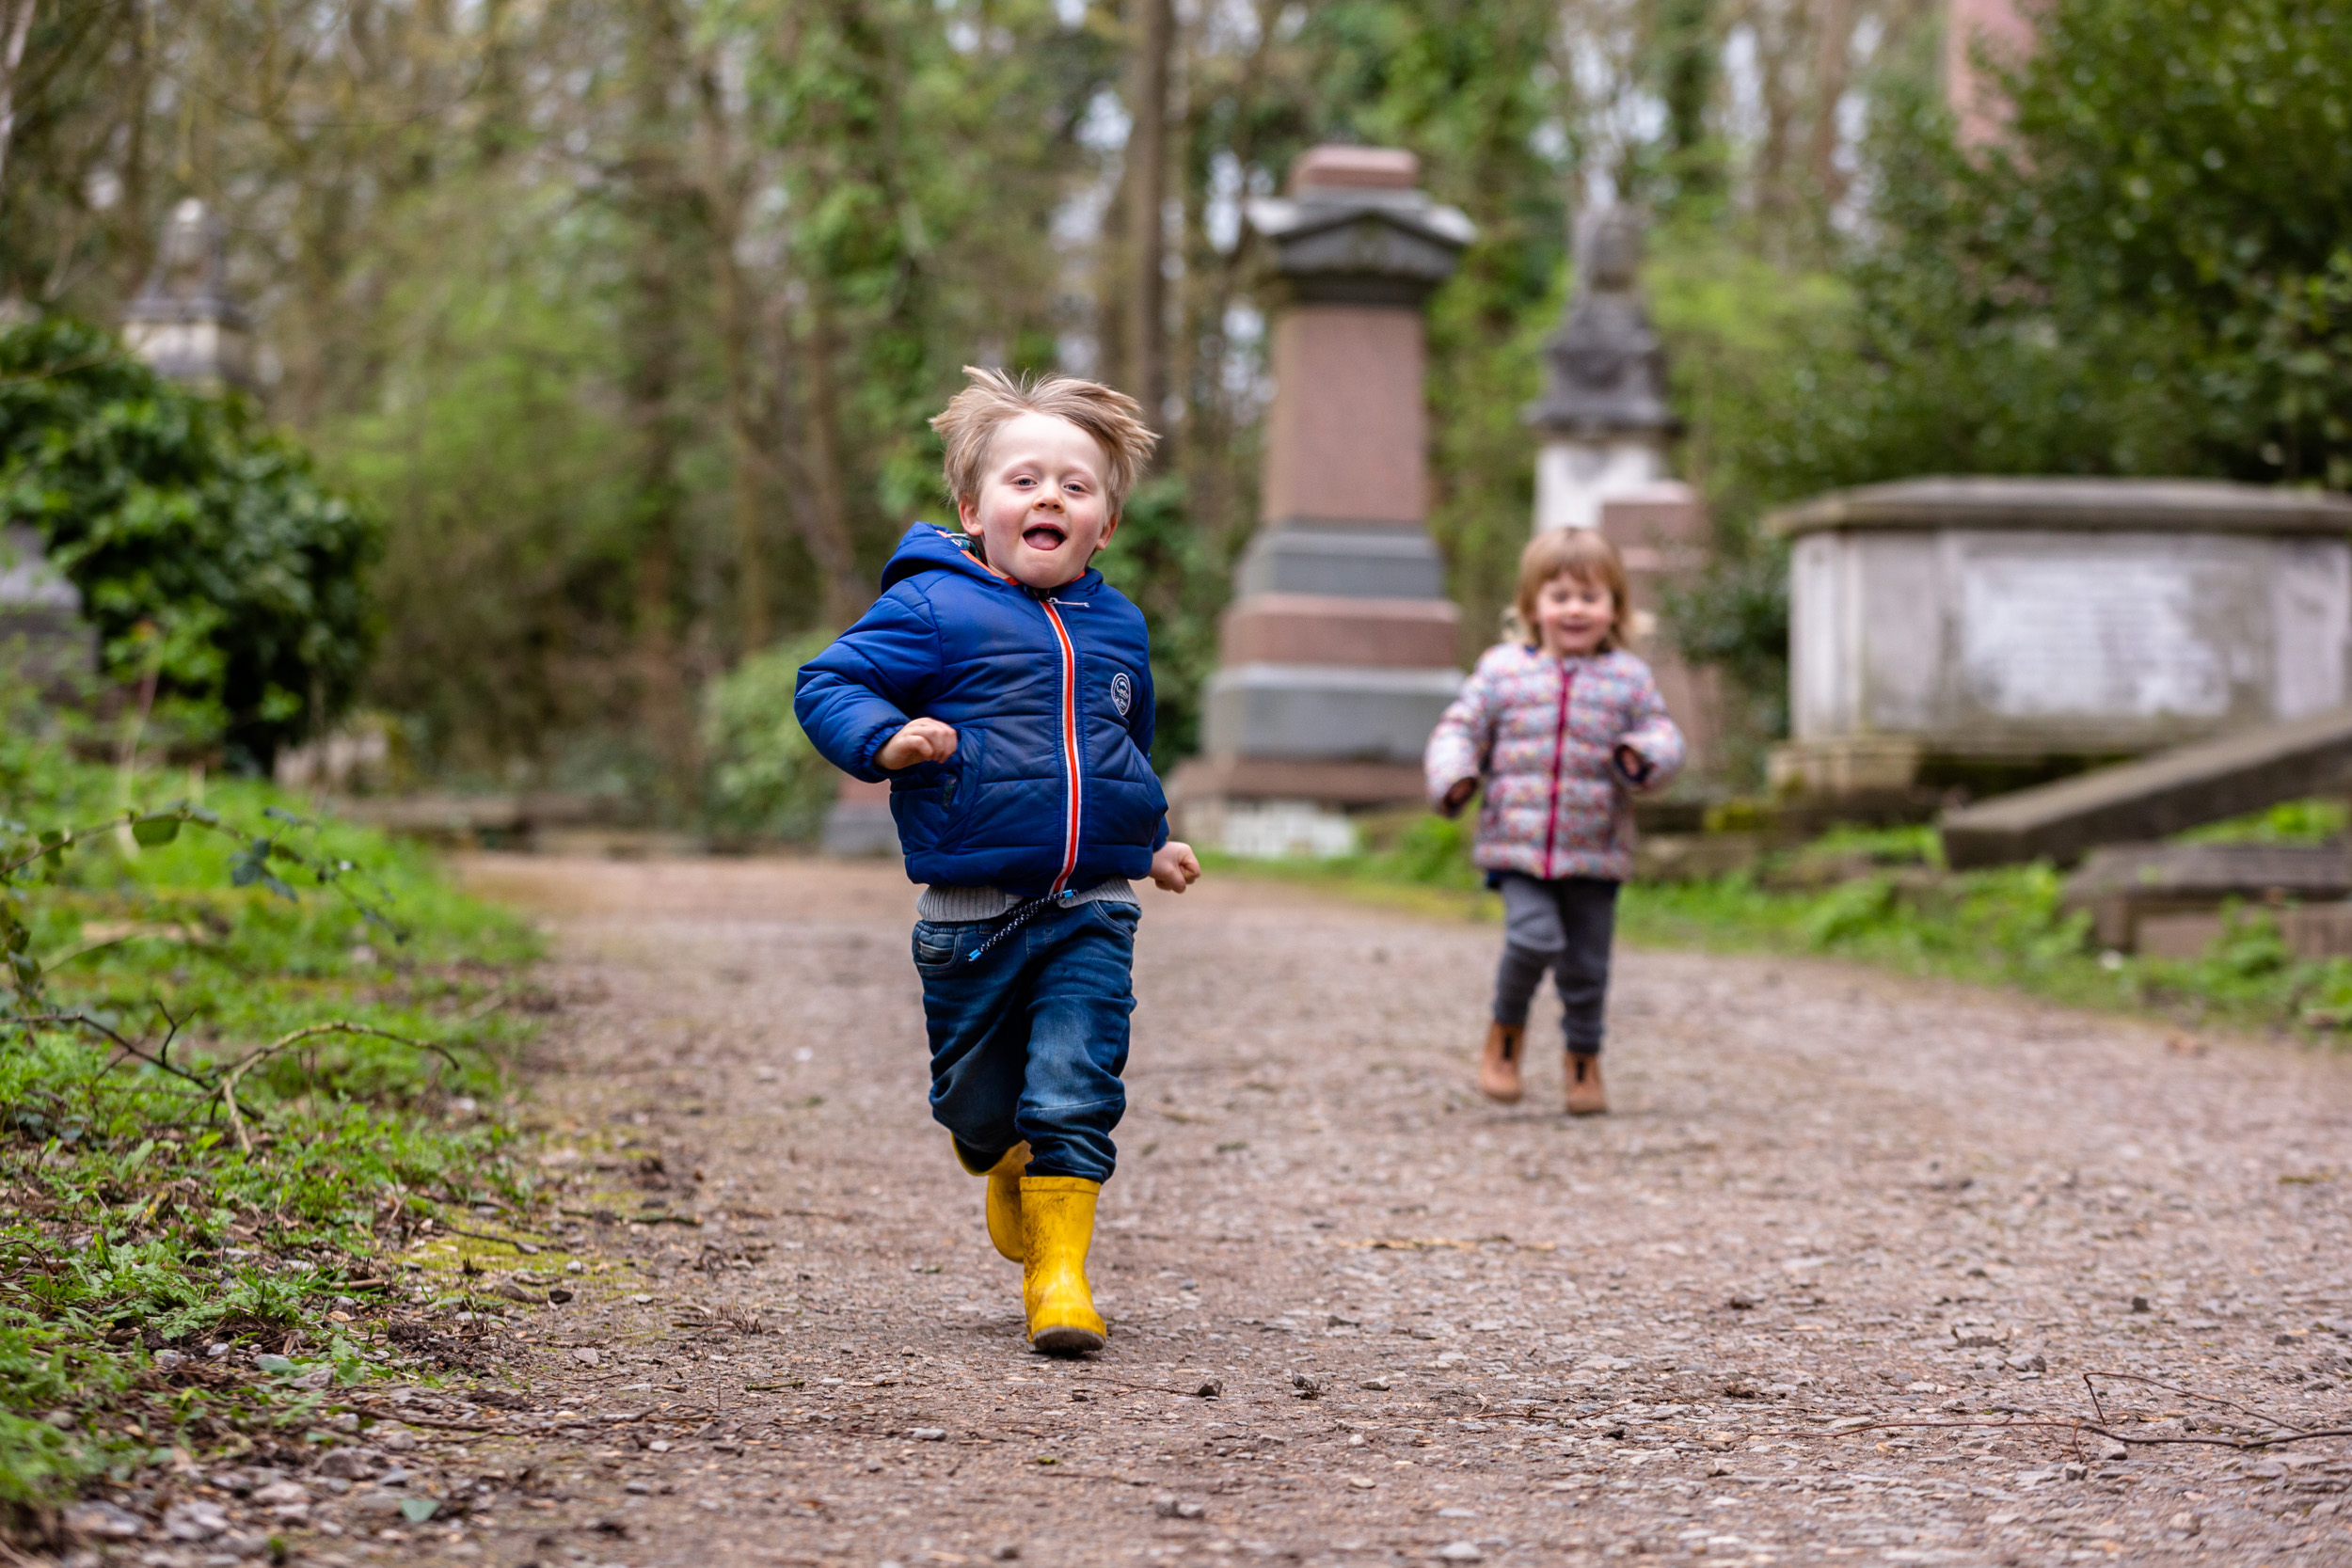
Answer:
(2024, 620)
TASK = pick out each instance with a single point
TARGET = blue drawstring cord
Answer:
(1022, 914)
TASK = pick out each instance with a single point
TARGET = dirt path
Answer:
(1437, 1330)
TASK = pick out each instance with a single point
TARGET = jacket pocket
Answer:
(931, 800)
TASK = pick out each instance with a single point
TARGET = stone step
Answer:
(1362, 563)
(2130, 889)
(2157, 796)
(2312, 931)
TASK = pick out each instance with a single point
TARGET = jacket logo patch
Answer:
(1123, 693)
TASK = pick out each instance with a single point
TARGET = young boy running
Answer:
(1005, 690)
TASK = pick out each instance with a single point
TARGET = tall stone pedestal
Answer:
(1341, 650)
(1603, 415)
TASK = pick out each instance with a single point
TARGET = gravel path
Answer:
(1358, 1314)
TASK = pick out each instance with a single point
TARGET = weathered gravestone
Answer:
(2033, 622)
(44, 643)
(1341, 650)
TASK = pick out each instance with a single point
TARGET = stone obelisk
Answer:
(1341, 650)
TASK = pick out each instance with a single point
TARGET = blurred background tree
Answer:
(624, 315)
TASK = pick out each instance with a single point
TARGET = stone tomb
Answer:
(2022, 620)
(1340, 649)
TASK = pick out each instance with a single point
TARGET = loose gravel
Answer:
(1794, 1301)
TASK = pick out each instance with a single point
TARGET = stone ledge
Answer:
(1322, 629)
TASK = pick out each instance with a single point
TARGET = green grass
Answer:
(139, 1219)
(1884, 897)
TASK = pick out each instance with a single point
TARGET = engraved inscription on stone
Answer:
(2047, 635)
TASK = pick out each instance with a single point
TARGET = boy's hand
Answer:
(1458, 797)
(1174, 867)
(1633, 764)
(924, 740)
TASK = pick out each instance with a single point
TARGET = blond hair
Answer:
(1582, 553)
(1112, 417)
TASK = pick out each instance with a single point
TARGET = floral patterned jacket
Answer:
(1542, 734)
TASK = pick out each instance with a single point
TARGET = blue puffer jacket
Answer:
(1051, 787)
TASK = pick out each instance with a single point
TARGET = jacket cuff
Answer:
(875, 740)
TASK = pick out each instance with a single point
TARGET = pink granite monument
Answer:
(1341, 650)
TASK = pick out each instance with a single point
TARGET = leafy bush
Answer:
(144, 1212)
(207, 553)
(2148, 272)
(765, 777)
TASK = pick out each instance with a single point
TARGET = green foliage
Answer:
(208, 554)
(2313, 821)
(1905, 912)
(764, 776)
(2148, 272)
(1181, 580)
(141, 1217)
(494, 449)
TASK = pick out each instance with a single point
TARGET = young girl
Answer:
(1562, 727)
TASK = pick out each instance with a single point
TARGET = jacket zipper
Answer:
(1559, 749)
(1072, 773)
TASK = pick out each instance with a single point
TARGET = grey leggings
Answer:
(1564, 925)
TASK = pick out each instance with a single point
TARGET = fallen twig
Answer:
(85, 1021)
(2101, 1425)
(227, 1088)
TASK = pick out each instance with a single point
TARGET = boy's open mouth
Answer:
(1043, 537)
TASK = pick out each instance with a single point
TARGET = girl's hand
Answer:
(1458, 797)
(1174, 867)
(924, 740)
(1633, 764)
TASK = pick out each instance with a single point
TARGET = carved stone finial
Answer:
(1606, 370)
(1355, 231)
(185, 323)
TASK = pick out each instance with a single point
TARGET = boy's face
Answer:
(1043, 510)
(1572, 615)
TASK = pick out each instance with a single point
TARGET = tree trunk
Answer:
(1149, 28)
(18, 22)
(824, 513)
(1832, 63)
(653, 354)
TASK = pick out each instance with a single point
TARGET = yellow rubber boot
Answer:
(1004, 1198)
(1057, 1215)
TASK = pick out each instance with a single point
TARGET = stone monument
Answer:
(44, 643)
(1606, 431)
(185, 322)
(1341, 650)
(2039, 621)
(1603, 415)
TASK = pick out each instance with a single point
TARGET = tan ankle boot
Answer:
(1586, 1097)
(1499, 1064)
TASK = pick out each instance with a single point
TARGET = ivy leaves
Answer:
(27, 853)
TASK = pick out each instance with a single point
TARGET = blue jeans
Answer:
(1028, 1039)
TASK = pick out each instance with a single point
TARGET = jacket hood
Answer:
(929, 548)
